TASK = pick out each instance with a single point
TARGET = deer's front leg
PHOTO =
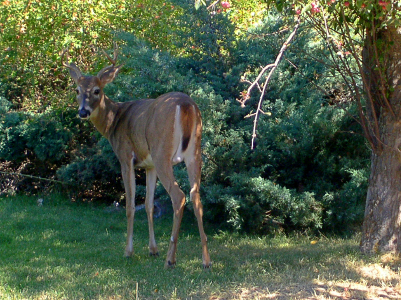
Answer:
(128, 173)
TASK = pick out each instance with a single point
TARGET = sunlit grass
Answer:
(63, 250)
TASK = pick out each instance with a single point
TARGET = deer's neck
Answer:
(103, 116)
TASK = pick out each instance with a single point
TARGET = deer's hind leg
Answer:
(151, 177)
(166, 177)
(194, 174)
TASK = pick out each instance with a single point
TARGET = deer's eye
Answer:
(96, 91)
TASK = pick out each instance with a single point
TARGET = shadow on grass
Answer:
(296, 269)
(65, 251)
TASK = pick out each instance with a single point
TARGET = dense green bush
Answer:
(38, 135)
(308, 171)
(33, 144)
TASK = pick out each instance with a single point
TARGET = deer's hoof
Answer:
(128, 254)
(207, 266)
(170, 265)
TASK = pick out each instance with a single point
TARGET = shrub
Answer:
(308, 171)
(37, 135)
(35, 144)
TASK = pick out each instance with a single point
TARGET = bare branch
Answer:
(375, 132)
(213, 4)
(382, 80)
(256, 81)
(370, 128)
(272, 67)
(33, 177)
(254, 114)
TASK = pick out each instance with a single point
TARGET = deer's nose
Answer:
(84, 113)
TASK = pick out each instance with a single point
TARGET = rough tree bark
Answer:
(382, 223)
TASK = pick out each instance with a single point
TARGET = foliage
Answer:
(361, 14)
(44, 137)
(308, 164)
(30, 63)
(87, 171)
(349, 27)
(35, 144)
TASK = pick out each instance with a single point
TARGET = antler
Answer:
(115, 54)
(108, 73)
(75, 72)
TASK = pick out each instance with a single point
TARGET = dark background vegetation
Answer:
(310, 166)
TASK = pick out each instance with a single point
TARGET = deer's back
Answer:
(148, 123)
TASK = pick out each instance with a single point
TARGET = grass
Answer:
(63, 250)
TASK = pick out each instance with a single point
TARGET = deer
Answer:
(152, 134)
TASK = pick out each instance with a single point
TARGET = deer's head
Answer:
(90, 88)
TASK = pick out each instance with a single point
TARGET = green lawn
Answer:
(63, 250)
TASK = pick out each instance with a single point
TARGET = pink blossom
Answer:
(226, 4)
(315, 8)
(383, 4)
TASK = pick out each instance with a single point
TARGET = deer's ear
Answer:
(107, 74)
(75, 73)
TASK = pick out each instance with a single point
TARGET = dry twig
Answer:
(272, 67)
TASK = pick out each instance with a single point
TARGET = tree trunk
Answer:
(382, 223)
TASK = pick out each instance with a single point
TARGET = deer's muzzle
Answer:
(84, 113)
